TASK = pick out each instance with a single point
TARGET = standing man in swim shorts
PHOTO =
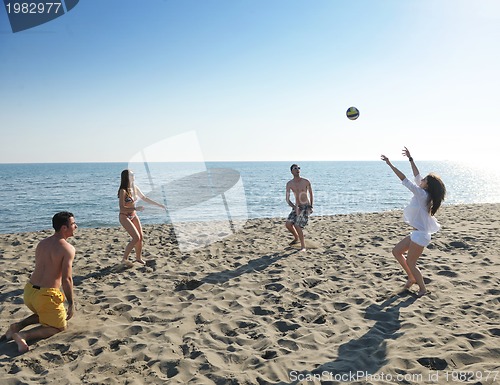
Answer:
(302, 207)
(42, 295)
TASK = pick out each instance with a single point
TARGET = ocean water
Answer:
(31, 193)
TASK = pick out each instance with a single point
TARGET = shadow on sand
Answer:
(255, 265)
(367, 353)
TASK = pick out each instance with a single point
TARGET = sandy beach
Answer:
(249, 309)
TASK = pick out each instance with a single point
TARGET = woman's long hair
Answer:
(125, 183)
(437, 192)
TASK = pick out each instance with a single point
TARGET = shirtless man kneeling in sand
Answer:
(42, 295)
(299, 216)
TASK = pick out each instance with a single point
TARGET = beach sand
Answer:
(249, 309)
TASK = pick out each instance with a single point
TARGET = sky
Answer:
(254, 80)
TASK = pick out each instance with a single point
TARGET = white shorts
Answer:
(420, 238)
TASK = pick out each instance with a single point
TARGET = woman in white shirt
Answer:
(428, 193)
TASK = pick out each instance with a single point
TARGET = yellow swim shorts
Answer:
(47, 303)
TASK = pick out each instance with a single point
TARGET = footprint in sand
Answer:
(288, 344)
(285, 327)
(433, 363)
(341, 306)
(115, 345)
(274, 287)
(447, 273)
(257, 310)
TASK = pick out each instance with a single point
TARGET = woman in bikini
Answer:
(428, 193)
(128, 195)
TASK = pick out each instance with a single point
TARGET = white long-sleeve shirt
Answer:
(417, 213)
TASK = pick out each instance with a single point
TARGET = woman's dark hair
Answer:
(125, 183)
(437, 192)
(61, 219)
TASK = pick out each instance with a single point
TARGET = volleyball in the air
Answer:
(352, 113)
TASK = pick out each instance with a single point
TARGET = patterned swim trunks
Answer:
(303, 217)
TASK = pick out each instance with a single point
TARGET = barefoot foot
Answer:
(141, 261)
(409, 283)
(14, 328)
(127, 263)
(22, 346)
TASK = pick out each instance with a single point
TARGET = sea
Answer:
(30, 194)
